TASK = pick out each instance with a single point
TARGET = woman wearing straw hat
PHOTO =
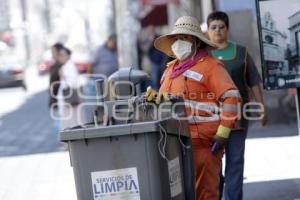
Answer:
(211, 98)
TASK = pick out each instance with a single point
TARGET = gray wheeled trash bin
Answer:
(138, 161)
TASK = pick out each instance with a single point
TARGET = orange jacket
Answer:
(211, 98)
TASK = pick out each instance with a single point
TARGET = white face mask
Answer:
(182, 49)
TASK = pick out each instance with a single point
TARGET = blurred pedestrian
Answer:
(70, 84)
(152, 57)
(54, 75)
(207, 89)
(104, 62)
(54, 83)
(243, 72)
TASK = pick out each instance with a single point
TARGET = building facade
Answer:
(294, 47)
(274, 44)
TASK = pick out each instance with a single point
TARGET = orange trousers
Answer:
(207, 170)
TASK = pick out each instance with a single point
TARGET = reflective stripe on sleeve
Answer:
(230, 93)
(197, 119)
(208, 107)
(230, 107)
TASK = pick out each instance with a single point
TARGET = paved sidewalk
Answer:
(272, 168)
(272, 159)
(37, 177)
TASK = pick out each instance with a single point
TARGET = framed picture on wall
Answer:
(279, 31)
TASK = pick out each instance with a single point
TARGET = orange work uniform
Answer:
(211, 99)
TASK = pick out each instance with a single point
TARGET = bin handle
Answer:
(179, 138)
(163, 139)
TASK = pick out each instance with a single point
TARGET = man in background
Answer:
(105, 59)
(104, 63)
(151, 60)
(244, 74)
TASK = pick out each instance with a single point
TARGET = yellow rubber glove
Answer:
(220, 139)
(152, 95)
(162, 96)
(223, 132)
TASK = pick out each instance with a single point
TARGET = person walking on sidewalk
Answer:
(243, 72)
(54, 83)
(69, 85)
(54, 75)
(204, 85)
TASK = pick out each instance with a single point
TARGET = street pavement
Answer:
(272, 168)
(34, 165)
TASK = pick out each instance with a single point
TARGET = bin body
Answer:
(124, 161)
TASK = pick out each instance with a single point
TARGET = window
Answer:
(269, 39)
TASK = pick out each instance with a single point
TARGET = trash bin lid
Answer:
(171, 125)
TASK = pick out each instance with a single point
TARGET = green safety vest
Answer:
(234, 59)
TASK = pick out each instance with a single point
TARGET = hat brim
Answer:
(164, 43)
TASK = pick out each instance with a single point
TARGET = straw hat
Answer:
(184, 25)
